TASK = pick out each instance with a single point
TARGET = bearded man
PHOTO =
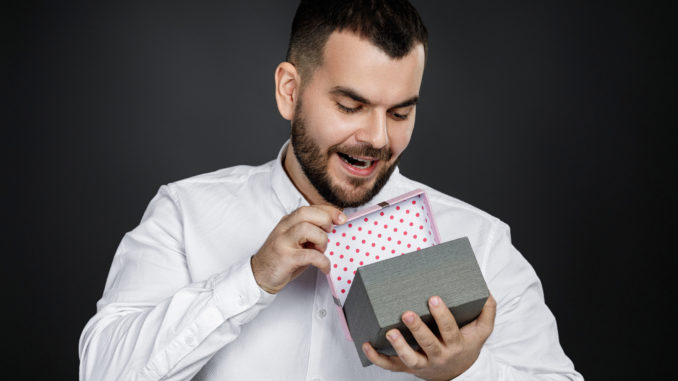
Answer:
(224, 276)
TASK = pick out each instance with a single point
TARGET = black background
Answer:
(549, 115)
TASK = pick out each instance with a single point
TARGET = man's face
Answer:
(355, 118)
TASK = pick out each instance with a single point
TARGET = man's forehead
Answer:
(351, 61)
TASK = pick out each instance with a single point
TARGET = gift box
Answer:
(386, 230)
(382, 291)
(394, 249)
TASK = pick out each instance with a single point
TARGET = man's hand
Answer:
(440, 358)
(299, 240)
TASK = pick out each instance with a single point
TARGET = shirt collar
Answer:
(290, 197)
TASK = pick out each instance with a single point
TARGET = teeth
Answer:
(363, 164)
(358, 163)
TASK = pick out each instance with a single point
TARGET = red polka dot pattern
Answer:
(389, 243)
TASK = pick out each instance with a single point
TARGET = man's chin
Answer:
(355, 191)
(353, 196)
(354, 199)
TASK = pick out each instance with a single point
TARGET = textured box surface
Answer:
(382, 291)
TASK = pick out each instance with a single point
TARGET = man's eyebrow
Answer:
(347, 92)
(409, 102)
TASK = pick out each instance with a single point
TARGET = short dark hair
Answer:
(392, 25)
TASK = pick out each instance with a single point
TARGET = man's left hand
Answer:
(440, 358)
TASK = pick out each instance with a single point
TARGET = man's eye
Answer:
(400, 116)
(348, 110)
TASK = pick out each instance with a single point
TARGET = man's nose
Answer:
(375, 130)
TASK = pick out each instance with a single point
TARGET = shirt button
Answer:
(321, 314)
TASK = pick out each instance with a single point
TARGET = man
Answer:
(223, 278)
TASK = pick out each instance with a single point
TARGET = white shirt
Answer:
(181, 301)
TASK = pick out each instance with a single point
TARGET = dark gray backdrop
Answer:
(549, 115)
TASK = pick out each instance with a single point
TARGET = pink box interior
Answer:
(396, 227)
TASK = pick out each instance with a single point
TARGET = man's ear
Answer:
(287, 82)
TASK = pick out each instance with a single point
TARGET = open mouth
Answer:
(355, 162)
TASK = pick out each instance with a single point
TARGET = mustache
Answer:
(364, 150)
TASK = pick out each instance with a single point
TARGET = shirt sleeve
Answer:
(154, 323)
(524, 344)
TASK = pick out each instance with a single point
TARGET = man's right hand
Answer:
(299, 240)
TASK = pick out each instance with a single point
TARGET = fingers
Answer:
(485, 320)
(305, 232)
(323, 216)
(428, 342)
(387, 362)
(444, 359)
(338, 217)
(315, 258)
(447, 324)
(482, 327)
(298, 240)
(409, 357)
(311, 243)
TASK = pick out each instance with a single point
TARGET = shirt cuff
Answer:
(236, 290)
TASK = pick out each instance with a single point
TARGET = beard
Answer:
(314, 163)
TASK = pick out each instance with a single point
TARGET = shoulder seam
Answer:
(217, 177)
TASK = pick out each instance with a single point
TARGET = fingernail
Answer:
(341, 218)
(366, 348)
(392, 335)
(408, 318)
(435, 301)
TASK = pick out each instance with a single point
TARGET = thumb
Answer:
(483, 326)
(338, 216)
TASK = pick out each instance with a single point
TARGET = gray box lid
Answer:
(382, 291)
